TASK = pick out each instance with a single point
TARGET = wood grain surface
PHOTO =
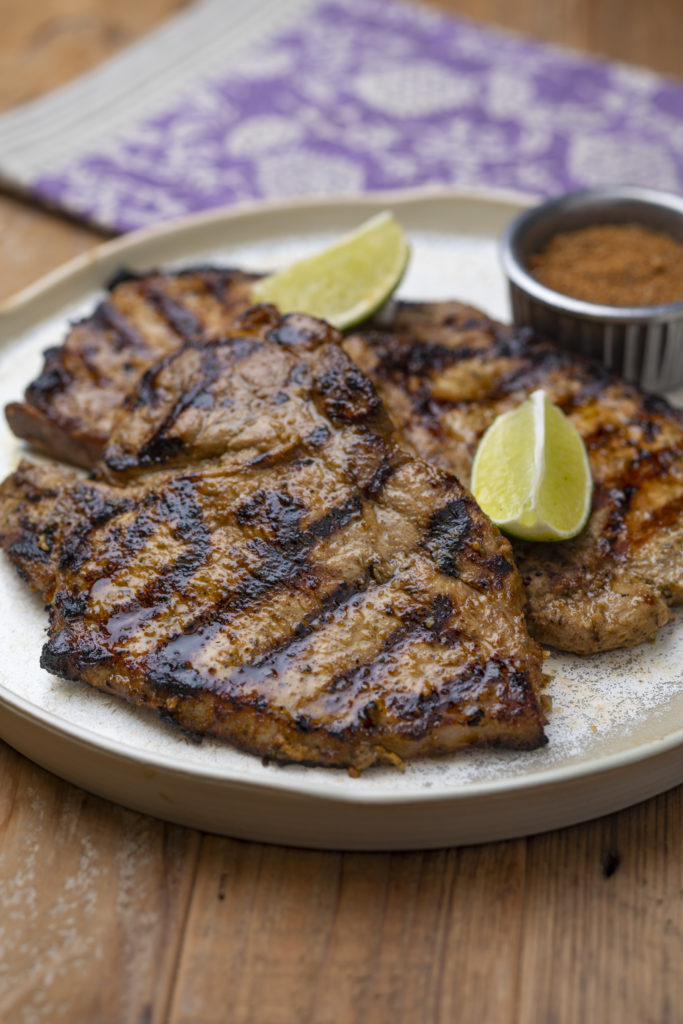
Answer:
(109, 916)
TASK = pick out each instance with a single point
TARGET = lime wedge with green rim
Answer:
(531, 473)
(347, 282)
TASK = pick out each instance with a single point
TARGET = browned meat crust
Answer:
(264, 564)
(69, 409)
(445, 371)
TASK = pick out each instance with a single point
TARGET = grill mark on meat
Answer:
(170, 674)
(612, 540)
(277, 509)
(448, 531)
(401, 357)
(317, 437)
(159, 448)
(123, 333)
(293, 331)
(217, 282)
(337, 518)
(499, 565)
(418, 624)
(277, 570)
(385, 469)
(179, 506)
(177, 316)
(646, 467)
(299, 454)
(74, 548)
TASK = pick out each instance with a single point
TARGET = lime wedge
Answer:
(531, 473)
(345, 283)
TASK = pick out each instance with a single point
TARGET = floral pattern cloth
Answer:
(362, 95)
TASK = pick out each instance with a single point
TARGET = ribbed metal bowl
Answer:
(642, 343)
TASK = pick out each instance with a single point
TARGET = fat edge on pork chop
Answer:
(445, 371)
(259, 561)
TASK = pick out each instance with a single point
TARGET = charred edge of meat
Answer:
(169, 717)
(53, 379)
(62, 657)
(211, 271)
(125, 274)
(347, 396)
(32, 547)
(400, 356)
(293, 330)
(472, 684)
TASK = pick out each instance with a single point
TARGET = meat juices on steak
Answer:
(445, 371)
(69, 409)
(267, 566)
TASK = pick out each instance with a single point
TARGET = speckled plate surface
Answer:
(616, 729)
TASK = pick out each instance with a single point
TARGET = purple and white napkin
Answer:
(233, 101)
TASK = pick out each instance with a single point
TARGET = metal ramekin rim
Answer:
(520, 276)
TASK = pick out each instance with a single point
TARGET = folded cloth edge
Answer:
(135, 82)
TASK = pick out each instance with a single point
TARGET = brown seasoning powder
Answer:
(612, 265)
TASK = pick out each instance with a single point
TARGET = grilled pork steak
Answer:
(445, 371)
(69, 410)
(264, 564)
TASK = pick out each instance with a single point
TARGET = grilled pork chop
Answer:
(69, 409)
(263, 563)
(445, 371)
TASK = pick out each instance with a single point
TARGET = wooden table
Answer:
(108, 916)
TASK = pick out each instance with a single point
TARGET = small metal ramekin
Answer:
(642, 343)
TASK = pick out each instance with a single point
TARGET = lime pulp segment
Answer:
(531, 473)
(347, 282)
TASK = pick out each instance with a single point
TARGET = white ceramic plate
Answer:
(616, 730)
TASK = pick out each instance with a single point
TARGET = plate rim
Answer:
(130, 240)
(307, 787)
(573, 772)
